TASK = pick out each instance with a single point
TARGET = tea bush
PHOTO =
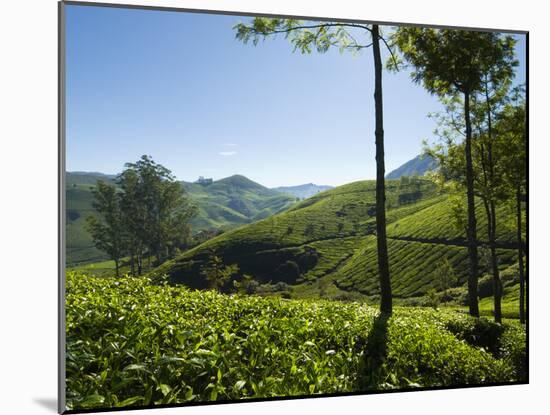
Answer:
(130, 342)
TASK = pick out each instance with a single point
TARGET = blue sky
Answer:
(179, 87)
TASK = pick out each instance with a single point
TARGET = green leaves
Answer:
(165, 389)
(451, 60)
(239, 384)
(130, 401)
(232, 347)
(92, 401)
(307, 36)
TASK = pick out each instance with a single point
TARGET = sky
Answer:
(180, 87)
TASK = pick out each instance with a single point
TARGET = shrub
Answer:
(432, 299)
(485, 286)
(308, 259)
(422, 354)
(478, 332)
(288, 272)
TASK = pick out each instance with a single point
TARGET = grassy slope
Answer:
(131, 343)
(338, 226)
(226, 203)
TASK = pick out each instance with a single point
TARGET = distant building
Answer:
(205, 181)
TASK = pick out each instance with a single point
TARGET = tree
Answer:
(147, 214)
(159, 209)
(496, 83)
(449, 63)
(133, 218)
(512, 125)
(490, 164)
(216, 273)
(445, 276)
(247, 285)
(107, 232)
(321, 36)
(487, 170)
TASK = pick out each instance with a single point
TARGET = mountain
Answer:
(234, 200)
(326, 244)
(418, 166)
(302, 191)
(83, 177)
(222, 204)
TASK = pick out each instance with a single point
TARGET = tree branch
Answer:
(317, 26)
(390, 50)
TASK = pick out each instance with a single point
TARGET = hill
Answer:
(326, 245)
(303, 191)
(418, 166)
(223, 204)
(79, 198)
(232, 201)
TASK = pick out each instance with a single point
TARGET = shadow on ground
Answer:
(373, 372)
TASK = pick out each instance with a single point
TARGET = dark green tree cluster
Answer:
(472, 72)
(146, 215)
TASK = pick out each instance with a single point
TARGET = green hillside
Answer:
(234, 200)
(326, 245)
(79, 198)
(223, 204)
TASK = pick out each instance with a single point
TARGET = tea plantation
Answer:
(330, 243)
(130, 343)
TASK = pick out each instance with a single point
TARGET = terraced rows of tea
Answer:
(330, 238)
(409, 266)
(436, 223)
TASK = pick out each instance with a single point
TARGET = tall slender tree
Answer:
(321, 36)
(450, 62)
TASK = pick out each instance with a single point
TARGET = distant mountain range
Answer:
(418, 166)
(302, 191)
(222, 204)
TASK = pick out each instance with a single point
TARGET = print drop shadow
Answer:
(48, 403)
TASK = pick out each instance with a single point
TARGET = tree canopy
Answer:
(146, 214)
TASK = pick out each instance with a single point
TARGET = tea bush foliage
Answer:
(130, 342)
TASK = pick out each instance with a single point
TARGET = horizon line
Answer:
(227, 177)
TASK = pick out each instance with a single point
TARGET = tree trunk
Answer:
(492, 217)
(383, 263)
(497, 284)
(132, 264)
(522, 314)
(116, 268)
(471, 230)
